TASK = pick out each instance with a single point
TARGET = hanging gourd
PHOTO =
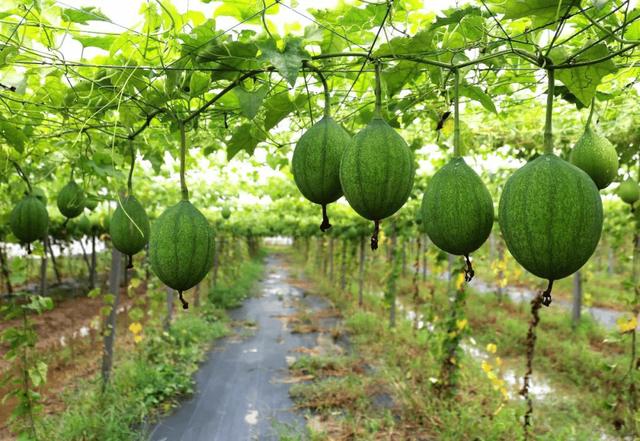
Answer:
(550, 213)
(182, 241)
(316, 159)
(377, 169)
(129, 226)
(595, 154)
(457, 208)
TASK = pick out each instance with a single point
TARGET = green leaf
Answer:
(244, 10)
(199, 83)
(246, 137)
(103, 41)
(399, 75)
(277, 108)
(455, 16)
(6, 54)
(38, 374)
(83, 15)
(287, 62)
(583, 81)
(406, 45)
(251, 101)
(476, 94)
(540, 12)
(14, 136)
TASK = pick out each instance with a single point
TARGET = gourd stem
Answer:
(548, 130)
(132, 151)
(325, 87)
(593, 106)
(183, 155)
(23, 176)
(456, 114)
(378, 90)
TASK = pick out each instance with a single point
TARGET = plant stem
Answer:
(548, 131)
(132, 165)
(22, 175)
(183, 155)
(378, 90)
(456, 114)
(325, 86)
(593, 106)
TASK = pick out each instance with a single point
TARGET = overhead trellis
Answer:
(143, 72)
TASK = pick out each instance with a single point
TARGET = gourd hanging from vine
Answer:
(457, 208)
(377, 169)
(181, 246)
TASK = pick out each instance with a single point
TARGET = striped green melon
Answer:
(181, 247)
(457, 209)
(226, 213)
(377, 171)
(316, 163)
(83, 225)
(629, 191)
(551, 217)
(594, 154)
(71, 200)
(29, 219)
(129, 226)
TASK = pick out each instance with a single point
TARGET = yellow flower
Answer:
(461, 324)
(486, 367)
(627, 324)
(137, 338)
(459, 281)
(492, 348)
(135, 328)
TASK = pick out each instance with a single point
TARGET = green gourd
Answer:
(71, 200)
(629, 191)
(181, 247)
(594, 154)
(226, 212)
(377, 169)
(316, 161)
(551, 217)
(129, 227)
(29, 220)
(457, 209)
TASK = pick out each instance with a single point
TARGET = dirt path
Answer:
(243, 386)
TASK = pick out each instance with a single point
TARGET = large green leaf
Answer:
(83, 15)
(278, 106)
(540, 12)
(476, 94)
(246, 137)
(396, 77)
(14, 136)
(251, 101)
(246, 10)
(199, 83)
(102, 41)
(287, 62)
(583, 81)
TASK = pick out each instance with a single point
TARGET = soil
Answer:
(69, 341)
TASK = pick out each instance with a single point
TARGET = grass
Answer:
(585, 367)
(153, 378)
